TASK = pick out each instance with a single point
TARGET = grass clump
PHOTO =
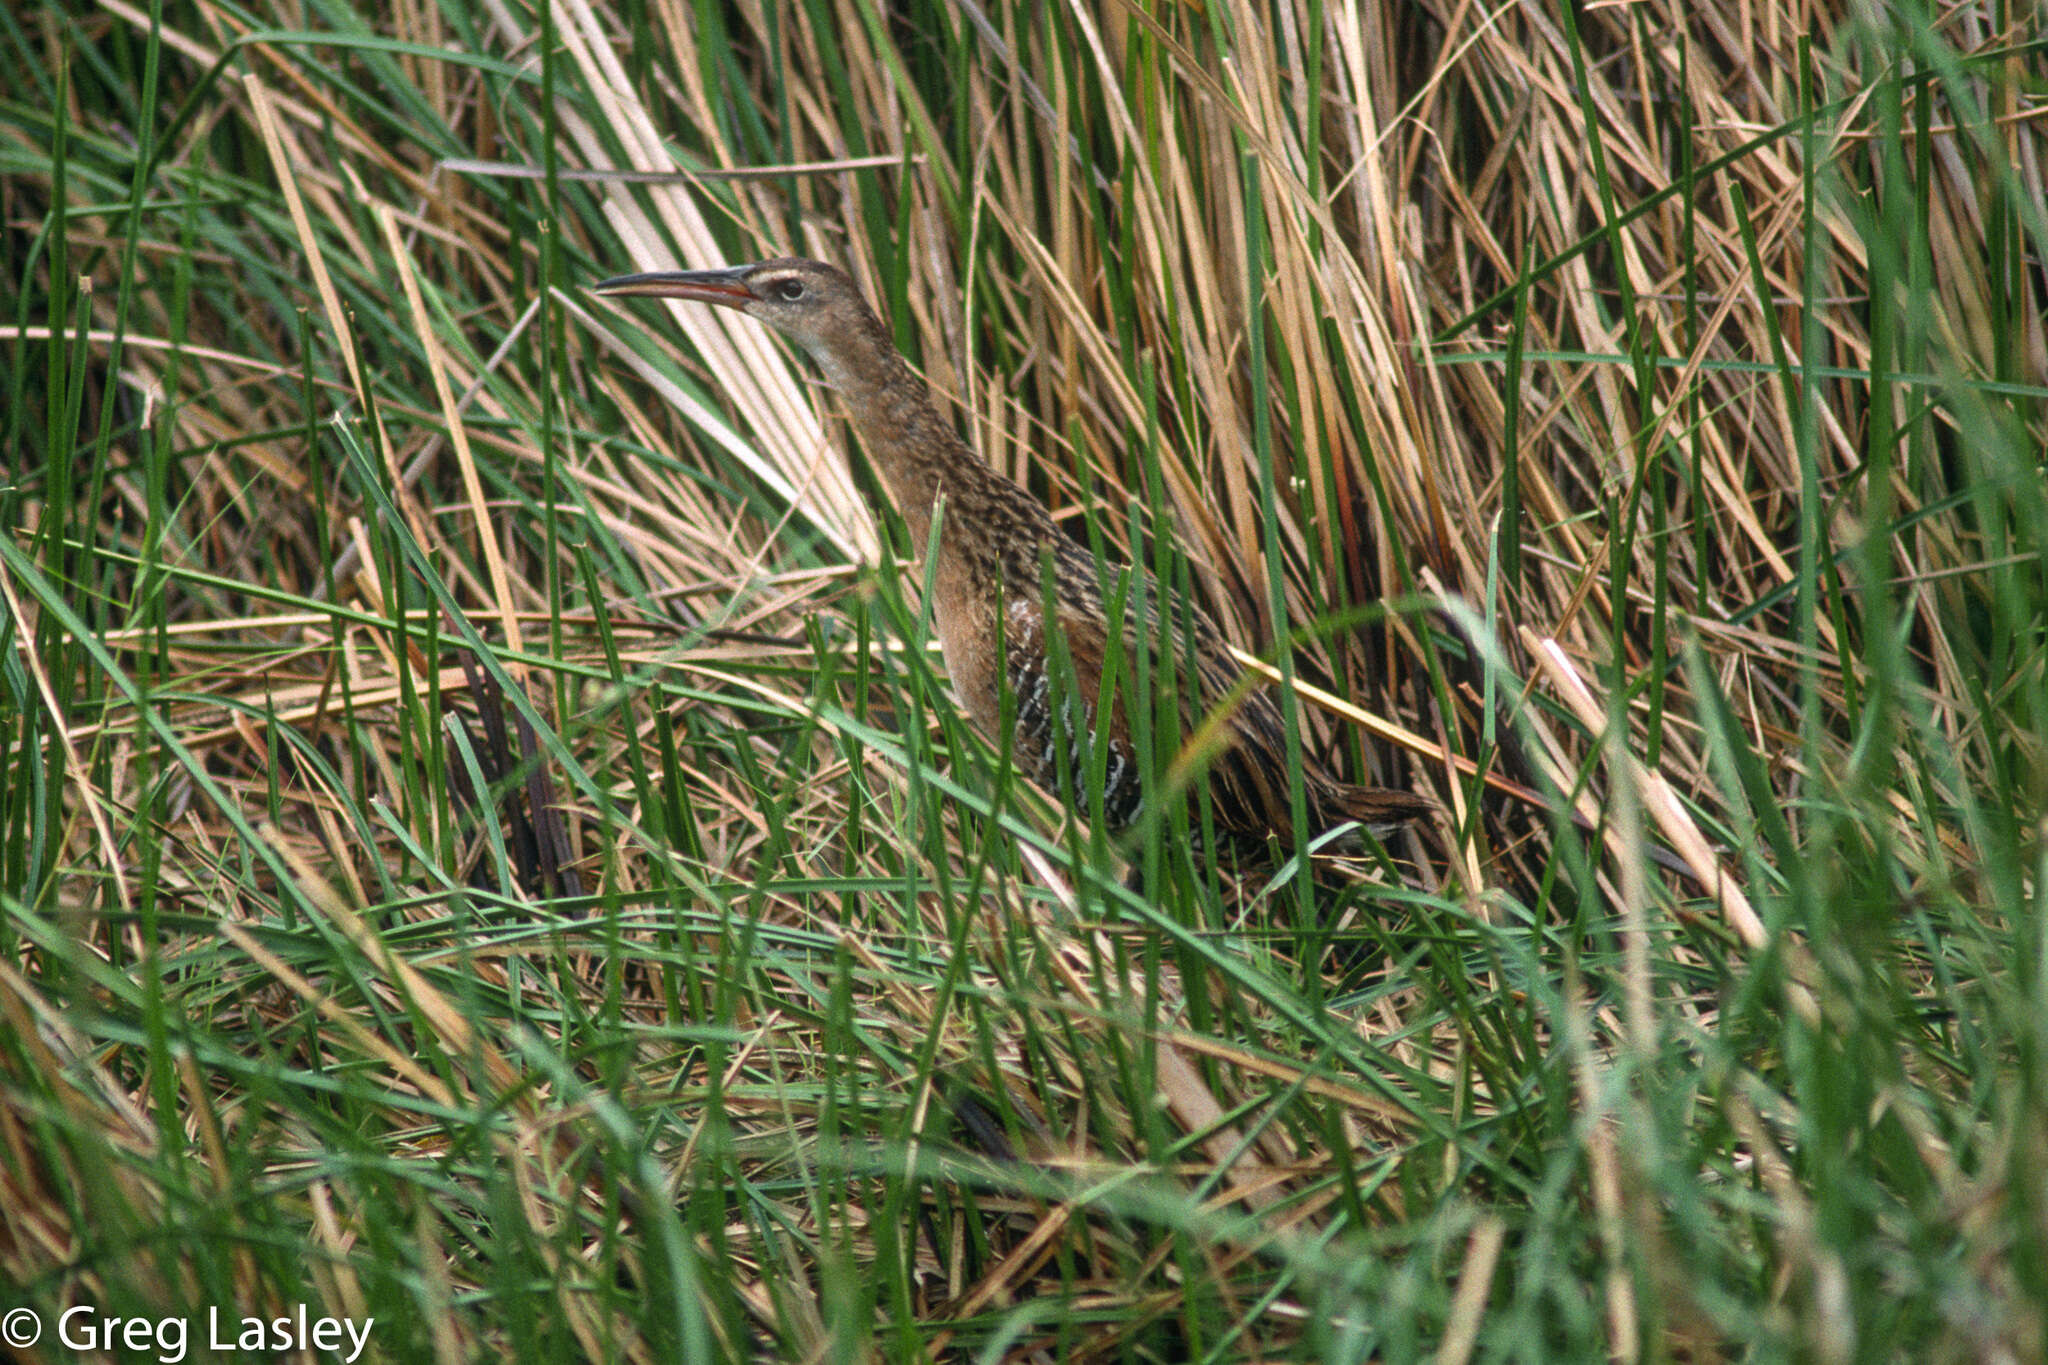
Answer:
(481, 850)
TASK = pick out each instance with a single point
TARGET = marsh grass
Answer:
(484, 847)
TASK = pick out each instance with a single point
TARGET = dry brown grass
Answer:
(1486, 269)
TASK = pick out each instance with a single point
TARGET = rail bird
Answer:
(996, 621)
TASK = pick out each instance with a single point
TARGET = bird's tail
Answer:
(1381, 810)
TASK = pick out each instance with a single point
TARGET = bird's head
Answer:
(814, 304)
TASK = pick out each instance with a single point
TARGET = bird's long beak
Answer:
(706, 286)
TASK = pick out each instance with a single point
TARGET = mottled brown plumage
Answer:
(989, 604)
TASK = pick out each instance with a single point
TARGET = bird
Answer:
(996, 620)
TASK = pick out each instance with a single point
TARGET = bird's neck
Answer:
(914, 449)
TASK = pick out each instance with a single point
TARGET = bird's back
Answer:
(1058, 714)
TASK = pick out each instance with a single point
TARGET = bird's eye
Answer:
(791, 290)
